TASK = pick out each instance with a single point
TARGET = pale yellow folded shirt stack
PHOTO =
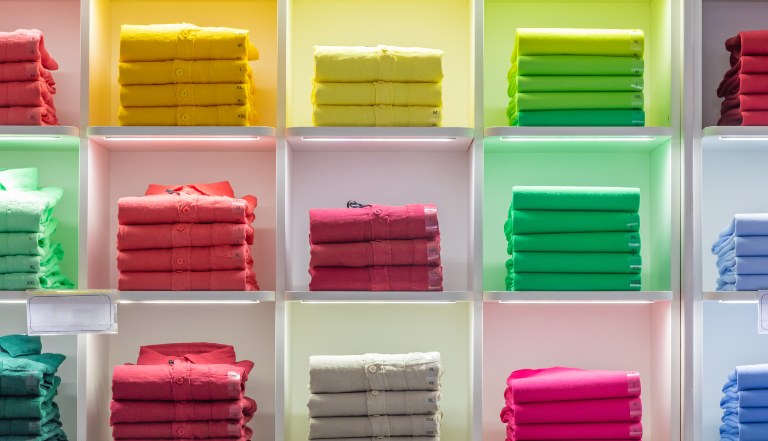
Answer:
(382, 86)
(184, 75)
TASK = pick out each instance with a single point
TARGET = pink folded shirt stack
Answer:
(375, 248)
(26, 85)
(186, 238)
(566, 403)
(182, 390)
(745, 86)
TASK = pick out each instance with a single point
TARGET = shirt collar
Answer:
(198, 353)
(215, 189)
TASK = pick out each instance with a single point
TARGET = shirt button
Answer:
(181, 432)
(185, 210)
(377, 211)
(384, 48)
(179, 72)
(371, 368)
(179, 380)
(184, 34)
(183, 93)
(382, 106)
(180, 227)
(179, 261)
(185, 117)
(374, 393)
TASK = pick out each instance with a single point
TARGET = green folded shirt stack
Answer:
(576, 77)
(28, 257)
(28, 384)
(573, 239)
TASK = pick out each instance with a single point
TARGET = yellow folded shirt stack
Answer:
(184, 75)
(383, 86)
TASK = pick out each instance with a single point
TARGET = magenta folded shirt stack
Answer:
(186, 238)
(375, 248)
(745, 85)
(26, 85)
(572, 404)
(182, 390)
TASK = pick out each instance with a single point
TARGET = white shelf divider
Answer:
(39, 131)
(379, 139)
(741, 138)
(195, 296)
(575, 139)
(577, 296)
(188, 139)
(13, 297)
(379, 296)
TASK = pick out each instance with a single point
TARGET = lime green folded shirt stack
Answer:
(29, 259)
(573, 239)
(184, 75)
(576, 77)
(382, 86)
(28, 385)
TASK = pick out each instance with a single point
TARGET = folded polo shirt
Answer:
(179, 429)
(24, 370)
(13, 407)
(34, 427)
(150, 237)
(127, 411)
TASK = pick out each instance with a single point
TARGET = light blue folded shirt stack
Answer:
(742, 253)
(745, 404)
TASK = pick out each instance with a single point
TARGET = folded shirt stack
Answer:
(373, 396)
(573, 239)
(566, 403)
(29, 259)
(186, 238)
(182, 390)
(184, 75)
(375, 248)
(384, 86)
(745, 85)
(742, 253)
(26, 85)
(576, 77)
(745, 404)
(28, 384)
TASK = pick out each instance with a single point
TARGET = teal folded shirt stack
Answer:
(29, 259)
(28, 385)
(573, 239)
(576, 77)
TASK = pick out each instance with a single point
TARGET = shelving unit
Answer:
(467, 168)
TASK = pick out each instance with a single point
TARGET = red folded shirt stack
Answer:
(375, 248)
(186, 238)
(182, 390)
(26, 86)
(565, 403)
(745, 85)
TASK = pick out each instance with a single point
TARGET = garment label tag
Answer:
(635, 44)
(235, 411)
(433, 252)
(233, 384)
(233, 429)
(762, 312)
(431, 400)
(432, 381)
(33, 44)
(435, 280)
(633, 384)
(32, 72)
(238, 208)
(32, 382)
(34, 427)
(430, 221)
(636, 102)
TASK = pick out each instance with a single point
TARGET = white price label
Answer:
(762, 312)
(71, 312)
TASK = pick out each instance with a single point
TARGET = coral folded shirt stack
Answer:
(565, 403)
(375, 396)
(375, 248)
(29, 259)
(745, 85)
(742, 254)
(745, 404)
(28, 385)
(184, 75)
(26, 85)
(182, 390)
(384, 86)
(186, 238)
(576, 77)
(573, 239)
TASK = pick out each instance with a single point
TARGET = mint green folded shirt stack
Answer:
(576, 77)
(29, 259)
(573, 239)
(28, 384)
